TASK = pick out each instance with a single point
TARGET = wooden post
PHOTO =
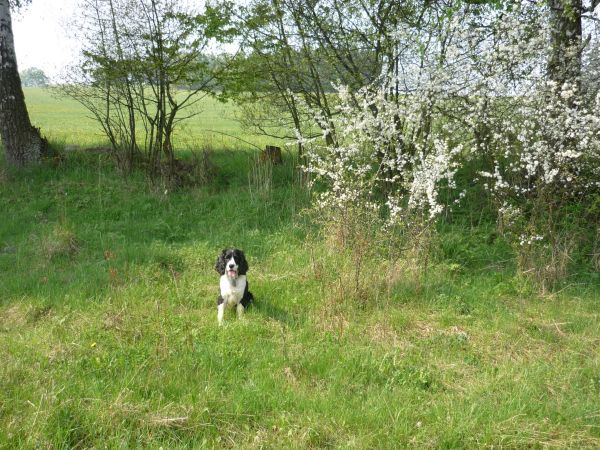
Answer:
(272, 153)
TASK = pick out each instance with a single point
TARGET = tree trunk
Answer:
(564, 65)
(22, 142)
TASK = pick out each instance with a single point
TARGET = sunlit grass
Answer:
(62, 119)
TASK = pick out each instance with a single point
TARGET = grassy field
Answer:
(109, 337)
(63, 120)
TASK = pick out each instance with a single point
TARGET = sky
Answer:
(41, 33)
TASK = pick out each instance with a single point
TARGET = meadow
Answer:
(109, 337)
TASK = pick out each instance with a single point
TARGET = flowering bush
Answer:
(552, 142)
(378, 189)
(383, 163)
(546, 168)
(473, 90)
(401, 139)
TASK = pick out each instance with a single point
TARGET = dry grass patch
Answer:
(332, 322)
(13, 317)
(384, 334)
(60, 242)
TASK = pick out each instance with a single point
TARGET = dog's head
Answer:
(232, 262)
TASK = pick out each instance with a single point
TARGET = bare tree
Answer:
(142, 72)
(22, 142)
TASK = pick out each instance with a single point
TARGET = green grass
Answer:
(109, 338)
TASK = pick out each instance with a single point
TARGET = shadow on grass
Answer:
(266, 308)
(128, 230)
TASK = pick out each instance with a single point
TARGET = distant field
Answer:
(109, 337)
(64, 120)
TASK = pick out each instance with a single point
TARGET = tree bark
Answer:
(22, 142)
(564, 65)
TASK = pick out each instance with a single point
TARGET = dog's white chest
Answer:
(232, 293)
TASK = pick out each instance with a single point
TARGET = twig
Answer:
(169, 420)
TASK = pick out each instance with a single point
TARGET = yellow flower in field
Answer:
(92, 345)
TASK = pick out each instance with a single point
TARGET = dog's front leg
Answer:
(220, 313)
(240, 310)
(220, 310)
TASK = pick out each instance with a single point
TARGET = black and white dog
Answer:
(232, 266)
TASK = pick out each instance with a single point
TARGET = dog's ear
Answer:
(220, 264)
(243, 265)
